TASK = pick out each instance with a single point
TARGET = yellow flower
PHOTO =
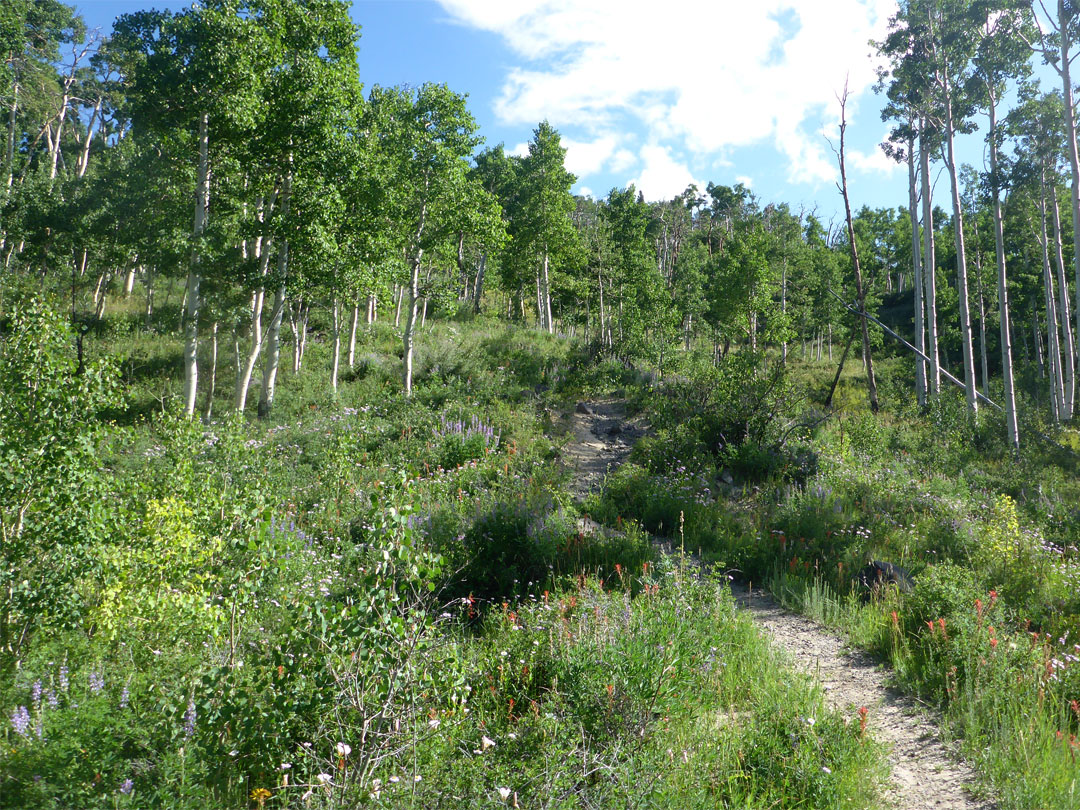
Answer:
(260, 795)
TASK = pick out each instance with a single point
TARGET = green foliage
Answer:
(51, 484)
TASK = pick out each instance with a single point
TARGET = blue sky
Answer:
(658, 94)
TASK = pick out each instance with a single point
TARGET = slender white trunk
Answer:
(478, 288)
(336, 362)
(1067, 348)
(129, 280)
(397, 306)
(273, 349)
(208, 408)
(1053, 350)
(352, 332)
(407, 333)
(84, 159)
(547, 297)
(1065, 44)
(191, 320)
(929, 272)
(13, 109)
(916, 263)
(961, 264)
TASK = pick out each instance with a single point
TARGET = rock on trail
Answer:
(925, 774)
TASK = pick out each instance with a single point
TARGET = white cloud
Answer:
(663, 177)
(876, 162)
(745, 180)
(622, 160)
(585, 191)
(588, 157)
(699, 77)
(521, 150)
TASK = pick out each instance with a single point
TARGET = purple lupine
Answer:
(20, 720)
(97, 681)
(189, 719)
(64, 678)
(125, 696)
(127, 786)
(35, 693)
(52, 699)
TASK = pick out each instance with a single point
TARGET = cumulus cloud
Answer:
(701, 77)
(874, 162)
(662, 176)
(745, 180)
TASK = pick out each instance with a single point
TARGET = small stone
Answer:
(584, 409)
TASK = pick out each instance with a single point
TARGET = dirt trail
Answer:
(924, 773)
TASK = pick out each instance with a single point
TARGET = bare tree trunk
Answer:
(397, 307)
(352, 331)
(961, 263)
(129, 280)
(149, 295)
(208, 408)
(336, 360)
(410, 314)
(547, 297)
(982, 306)
(273, 343)
(1009, 405)
(1068, 349)
(1053, 350)
(1038, 339)
(871, 382)
(929, 265)
(1065, 42)
(191, 319)
(478, 288)
(84, 159)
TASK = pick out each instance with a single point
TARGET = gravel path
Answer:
(925, 774)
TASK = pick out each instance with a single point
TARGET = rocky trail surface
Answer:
(925, 774)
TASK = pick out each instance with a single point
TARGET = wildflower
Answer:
(324, 778)
(189, 718)
(260, 795)
(433, 722)
(826, 769)
(504, 793)
(486, 743)
(64, 678)
(20, 720)
(52, 699)
(35, 693)
(125, 696)
(127, 786)
(395, 779)
(342, 749)
(97, 681)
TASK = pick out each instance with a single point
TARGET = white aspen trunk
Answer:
(352, 332)
(603, 316)
(99, 311)
(929, 267)
(191, 320)
(273, 334)
(961, 264)
(1065, 45)
(336, 361)
(273, 344)
(149, 310)
(13, 109)
(84, 158)
(208, 408)
(1067, 349)
(1038, 340)
(65, 100)
(407, 334)
(374, 307)
(783, 308)
(400, 293)
(982, 307)
(916, 264)
(547, 297)
(478, 287)
(243, 379)
(129, 281)
(1057, 393)
(539, 301)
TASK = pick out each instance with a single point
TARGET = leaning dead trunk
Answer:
(860, 292)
